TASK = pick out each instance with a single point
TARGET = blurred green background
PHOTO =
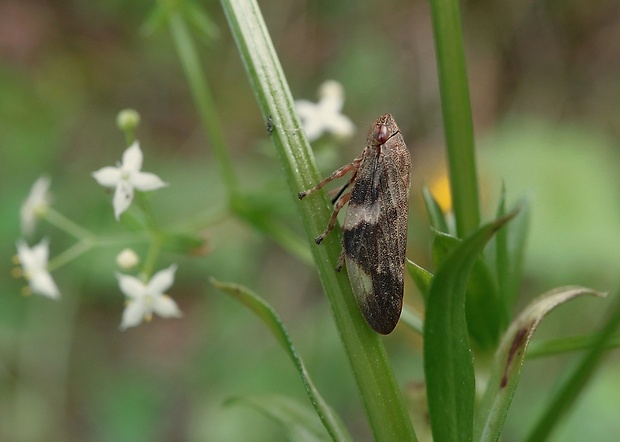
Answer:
(545, 89)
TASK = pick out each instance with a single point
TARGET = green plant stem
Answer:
(456, 108)
(155, 236)
(70, 254)
(202, 96)
(65, 224)
(151, 258)
(385, 408)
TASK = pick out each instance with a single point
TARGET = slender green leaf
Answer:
(197, 16)
(374, 376)
(264, 311)
(550, 347)
(259, 213)
(456, 109)
(486, 317)
(412, 319)
(509, 360)
(203, 98)
(442, 245)
(420, 276)
(569, 388)
(448, 363)
(435, 214)
(300, 422)
(156, 18)
(507, 251)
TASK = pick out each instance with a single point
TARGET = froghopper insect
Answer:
(375, 227)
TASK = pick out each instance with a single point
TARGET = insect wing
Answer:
(375, 232)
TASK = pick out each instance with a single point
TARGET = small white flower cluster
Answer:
(126, 177)
(324, 116)
(143, 298)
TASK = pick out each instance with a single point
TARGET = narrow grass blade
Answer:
(507, 252)
(412, 319)
(330, 420)
(568, 390)
(486, 317)
(550, 347)
(420, 276)
(509, 360)
(448, 363)
(435, 214)
(300, 422)
(383, 401)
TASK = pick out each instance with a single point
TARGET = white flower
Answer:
(126, 177)
(35, 205)
(325, 115)
(146, 299)
(34, 268)
(127, 259)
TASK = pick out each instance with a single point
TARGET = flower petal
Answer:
(40, 253)
(341, 126)
(146, 181)
(131, 286)
(108, 176)
(42, 283)
(36, 202)
(132, 315)
(165, 307)
(25, 255)
(34, 266)
(123, 196)
(132, 158)
(305, 108)
(162, 280)
(310, 119)
(34, 259)
(331, 97)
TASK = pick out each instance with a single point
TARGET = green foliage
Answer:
(384, 405)
(300, 423)
(286, 412)
(509, 360)
(569, 388)
(469, 329)
(448, 363)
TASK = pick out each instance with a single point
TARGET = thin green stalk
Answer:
(151, 257)
(65, 224)
(154, 233)
(203, 98)
(70, 254)
(456, 107)
(385, 408)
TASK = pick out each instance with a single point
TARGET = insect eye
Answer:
(382, 134)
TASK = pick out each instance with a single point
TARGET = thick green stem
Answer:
(456, 107)
(386, 411)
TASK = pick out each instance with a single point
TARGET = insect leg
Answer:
(342, 189)
(332, 221)
(337, 174)
(340, 260)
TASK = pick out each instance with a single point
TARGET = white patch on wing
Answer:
(361, 282)
(357, 213)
